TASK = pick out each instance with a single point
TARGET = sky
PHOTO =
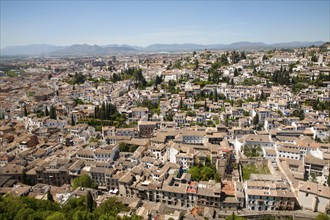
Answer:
(142, 23)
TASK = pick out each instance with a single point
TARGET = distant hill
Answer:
(33, 49)
(233, 46)
(174, 47)
(86, 49)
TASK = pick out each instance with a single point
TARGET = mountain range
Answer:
(86, 49)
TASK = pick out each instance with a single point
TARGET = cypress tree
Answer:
(52, 113)
(262, 96)
(108, 115)
(181, 103)
(46, 111)
(255, 120)
(215, 95)
(89, 201)
(103, 111)
(50, 196)
(205, 106)
(235, 72)
(72, 121)
(96, 112)
(25, 111)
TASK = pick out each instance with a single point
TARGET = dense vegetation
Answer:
(83, 208)
(281, 77)
(107, 111)
(205, 172)
(318, 105)
(124, 147)
(322, 216)
(77, 78)
(252, 168)
(152, 106)
(131, 73)
(251, 151)
(105, 115)
(84, 181)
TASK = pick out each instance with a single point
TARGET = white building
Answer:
(193, 137)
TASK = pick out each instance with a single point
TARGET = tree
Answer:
(217, 177)
(24, 213)
(207, 173)
(78, 78)
(107, 111)
(196, 65)
(111, 207)
(172, 87)
(139, 78)
(52, 113)
(124, 147)
(84, 215)
(89, 201)
(322, 216)
(298, 113)
(195, 173)
(243, 56)
(25, 111)
(181, 103)
(72, 121)
(158, 80)
(56, 216)
(264, 57)
(235, 57)
(46, 111)
(222, 96)
(235, 72)
(21, 208)
(314, 58)
(223, 60)
(317, 139)
(205, 106)
(255, 120)
(262, 96)
(251, 151)
(50, 196)
(84, 181)
(215, 95)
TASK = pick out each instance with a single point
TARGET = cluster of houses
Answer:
(146, 160)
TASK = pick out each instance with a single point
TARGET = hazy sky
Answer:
(146, 22)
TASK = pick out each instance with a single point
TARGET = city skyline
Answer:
(142, 23)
